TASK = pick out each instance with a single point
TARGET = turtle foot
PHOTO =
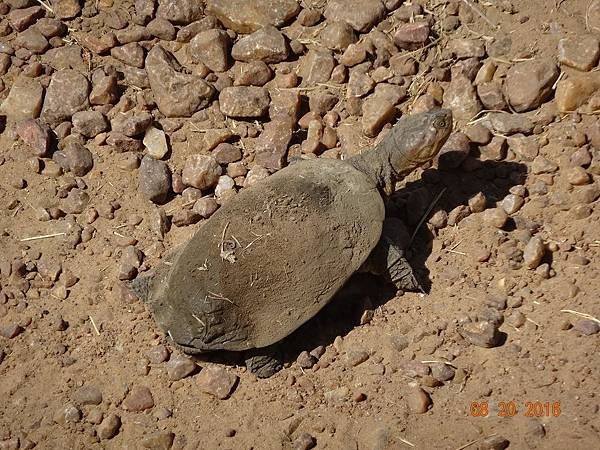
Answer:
(264, 362)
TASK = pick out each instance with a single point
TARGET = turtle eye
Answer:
(440, 123)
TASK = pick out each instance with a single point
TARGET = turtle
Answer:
(272, 256)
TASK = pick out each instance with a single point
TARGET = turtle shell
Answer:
(270, 258)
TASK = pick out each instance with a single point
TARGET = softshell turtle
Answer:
(276, 253)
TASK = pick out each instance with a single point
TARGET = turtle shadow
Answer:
(363, 292)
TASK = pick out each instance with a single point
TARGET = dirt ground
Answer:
(502, 351)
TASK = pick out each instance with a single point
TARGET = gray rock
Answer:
(154, 179)
(587, 327)
(579, 52)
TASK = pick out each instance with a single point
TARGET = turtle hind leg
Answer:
(264, 362)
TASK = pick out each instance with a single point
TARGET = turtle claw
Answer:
(264, 362)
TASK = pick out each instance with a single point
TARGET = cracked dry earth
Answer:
(125, 125)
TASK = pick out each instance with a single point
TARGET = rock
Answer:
(461, 97)
(272, 144)
(131, 54)
(24, 101)
(482, 334)
(587, 194)
(360, 84)
(76, 201)
(576, 91)
(467, 48)
(205, 207)
(67, 414)
(411, 36)
(418, 401)
(304, 441)
(132, 123)
(526, 148)
(506, 123)
(158, 354)
(254, 73)
(162, 29)
(211, 47)
(316, 67)
(104, 91)
(78, 159)
(67, 94)
(355, 357)
(266, 44)
(579, 52)
(36, 135)
(587, 327)
(33, 40)
(89, 123)
(528, 84)
(454, 151)
(491, 96)
(139, 399)
(21, 19)
(247, 16)
(10, 331)
(217, 381)
(66, 9)
(177, 94)
(337, 36)
(109, 427)
(156, 143)
(358, 14)
(543, 165)
(88, 395)
(442, 372)
(180, 12)
(534, 252)
(154, 180)
(577, 176)
(201, 171)
(244, 101)
(376, 113)
(180, 367)
(161, 440)
(305, 360)
(512, 203)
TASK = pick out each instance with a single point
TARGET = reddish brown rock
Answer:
(217, 381)
(36, 135)
(411, 36)
(272, 145)
(139, 399)
(177, 94)
(247, 16)
(244, 101)
(266, 44)
(359, 14)
(211, 47)
(528, 84)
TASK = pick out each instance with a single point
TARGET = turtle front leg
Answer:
(264, 362)
(387, 260)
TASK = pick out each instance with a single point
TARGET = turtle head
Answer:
(417, 139)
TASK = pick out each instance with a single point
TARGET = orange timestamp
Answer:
(511, 409)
